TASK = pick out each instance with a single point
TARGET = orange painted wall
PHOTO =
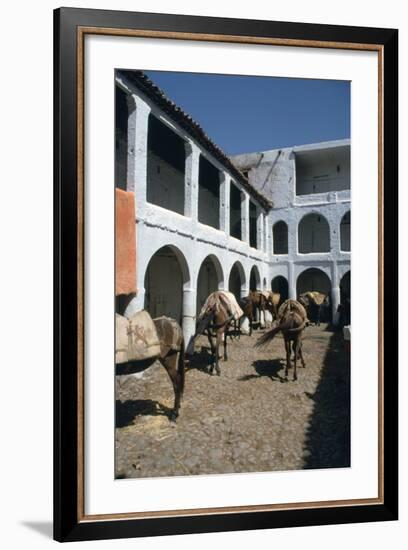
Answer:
(125, 242)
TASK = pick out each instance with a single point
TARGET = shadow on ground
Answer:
(266, 367)
(126, 411)
(201, 360)
(327, 442)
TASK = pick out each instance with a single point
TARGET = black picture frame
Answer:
(68, 524)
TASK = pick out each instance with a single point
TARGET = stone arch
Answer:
(313, 234)
(167, 274)
(280, 284)
(345, 226)
(314, 279)
(210, 278)
(254, 279)
(237, 280)
(280, 237)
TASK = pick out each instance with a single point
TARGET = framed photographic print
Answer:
(225, 274)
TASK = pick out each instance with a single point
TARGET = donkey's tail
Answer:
(267, 337)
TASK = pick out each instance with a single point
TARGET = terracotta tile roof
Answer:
(185, 121)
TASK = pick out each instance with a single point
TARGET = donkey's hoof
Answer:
(173, 416)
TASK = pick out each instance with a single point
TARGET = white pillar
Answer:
(335, 293)
(225, 202)
(244, 291)
(259, 228)
(270, 236)
(189, 314)
(292, 282)
(245, 217)
(293, 225)
(191, 181)
(267, 240)
(244, 322)
(268, 317)
(335, 234)
(292, 172)
(138, 126)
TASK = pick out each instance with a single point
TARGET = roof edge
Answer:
(143, 83)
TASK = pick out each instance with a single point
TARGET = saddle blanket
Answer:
(293, 305)
(136, 338)
(225, 299)
(169, 333)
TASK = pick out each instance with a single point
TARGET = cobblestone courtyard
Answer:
(249, 419)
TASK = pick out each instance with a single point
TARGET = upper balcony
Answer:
(322, 198)
(179, 185)
(322, 173)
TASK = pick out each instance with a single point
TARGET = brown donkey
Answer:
(261, 300)
(291, 321)
(170, 354)
(217, 315)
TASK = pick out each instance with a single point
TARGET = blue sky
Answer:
(246, 114)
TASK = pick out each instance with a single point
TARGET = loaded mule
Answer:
(141, 340)
(261, 301)
(313, 302)
(291, 321)
(218, 314)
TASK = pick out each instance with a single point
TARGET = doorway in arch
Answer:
(254, 279)
(164, 280)
(209, 279)
(236, 281)
(314, 279)
(280, 285)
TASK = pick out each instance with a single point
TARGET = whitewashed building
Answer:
(309, 223)
(200, 225)
(206, 222)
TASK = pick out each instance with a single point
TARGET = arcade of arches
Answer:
(170, 296)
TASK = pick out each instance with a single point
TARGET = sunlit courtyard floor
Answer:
(250, 419)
